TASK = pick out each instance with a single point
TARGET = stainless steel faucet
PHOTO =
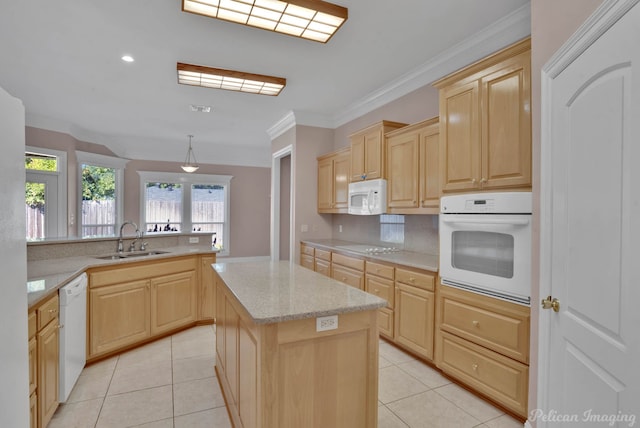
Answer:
(133, 244)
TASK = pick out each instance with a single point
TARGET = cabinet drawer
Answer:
(385, 322)
(416, 279)
(118, 275)
(305, 249)
(306, 261)
(497, 377)
(32, 324)
(381, 287)
(323, 267)
(47, 311)
(378, 269)
(351, 262)
(349, 276)
(323, 255)
(500, 326)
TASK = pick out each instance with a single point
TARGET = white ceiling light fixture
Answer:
(189, 164)
(127, 58)
(201, 109)
(231, 80)
(308, 19)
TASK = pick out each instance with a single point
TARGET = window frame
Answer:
(187, 180)
(94, 159)
(61, 178)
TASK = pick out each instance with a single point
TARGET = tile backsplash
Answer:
(420, 231)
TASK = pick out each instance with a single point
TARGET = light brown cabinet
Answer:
(333, 181)
(44, 361)
(484, 343)
(415, 311)
(349, 270)
(413, 169)
(379, 281)
(133, 303)
(485, 123)
(207, 294)
(367, 151)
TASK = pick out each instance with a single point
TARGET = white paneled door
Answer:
(590, 226)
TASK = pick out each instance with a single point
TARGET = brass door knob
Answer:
(551, 303)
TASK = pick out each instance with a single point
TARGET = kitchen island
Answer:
(295, 348)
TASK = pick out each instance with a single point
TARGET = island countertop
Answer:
(273, 292)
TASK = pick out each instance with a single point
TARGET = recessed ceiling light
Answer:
(127, 58)
(231, 80)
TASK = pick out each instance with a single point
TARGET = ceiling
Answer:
(63, 59)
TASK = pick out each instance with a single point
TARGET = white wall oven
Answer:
(485, 244)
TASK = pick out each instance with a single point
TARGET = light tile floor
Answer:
(171, 383)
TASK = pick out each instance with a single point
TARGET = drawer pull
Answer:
(376, 291)
(475, 367)
(53, 311)
(344, 279)
(475, 323)
(412, 279)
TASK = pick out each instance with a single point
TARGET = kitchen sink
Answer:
(118, 256)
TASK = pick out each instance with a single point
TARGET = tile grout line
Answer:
(107, 391)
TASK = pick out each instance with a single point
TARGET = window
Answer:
(392, 228)
(174, 202)
(100, 195)
(45, 193)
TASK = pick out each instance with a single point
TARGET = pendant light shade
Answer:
(190, 164)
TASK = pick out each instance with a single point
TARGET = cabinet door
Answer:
(357, 158)
(460, 137)
(402, 171)
(33, 364)
(325, 184)
(341, 173)
(207, 289)
(33, 410)
(221, 323)
(373, 155)
(119, 316)
(248, 377)
(430, 167)
(307, 261)
(173, 301)
(414, 312)
(506, 125)
(48, 376)
(323, 267)
(232, 320)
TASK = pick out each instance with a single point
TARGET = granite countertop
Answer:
(272, 292)
(44, 277)
(406, 258)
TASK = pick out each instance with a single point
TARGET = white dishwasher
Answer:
(73, 334)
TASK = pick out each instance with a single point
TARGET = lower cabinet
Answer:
(207, 294)
(44, 361)
(484, 343)
(132, 303)
(349, 270)
(379, 281)
(415, 311)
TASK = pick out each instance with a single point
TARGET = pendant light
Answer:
(190, 165)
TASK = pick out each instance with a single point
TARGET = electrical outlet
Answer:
(304, 228)
(339, 228)
(327, 323)
(194, 240)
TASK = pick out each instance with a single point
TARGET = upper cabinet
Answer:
(367, 150)
(485, 123)
(412, 156)
(333, 181)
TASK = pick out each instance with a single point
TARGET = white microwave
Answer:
(368, 197)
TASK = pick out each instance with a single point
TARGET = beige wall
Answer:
(249, 198)
(414, 107)
(552, 23)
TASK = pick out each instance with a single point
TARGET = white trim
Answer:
(95, 159)
(597, 24)
(62, 175)
(189, 179)
(275, 203)
(287, 122)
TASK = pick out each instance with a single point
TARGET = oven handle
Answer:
(518, 222)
